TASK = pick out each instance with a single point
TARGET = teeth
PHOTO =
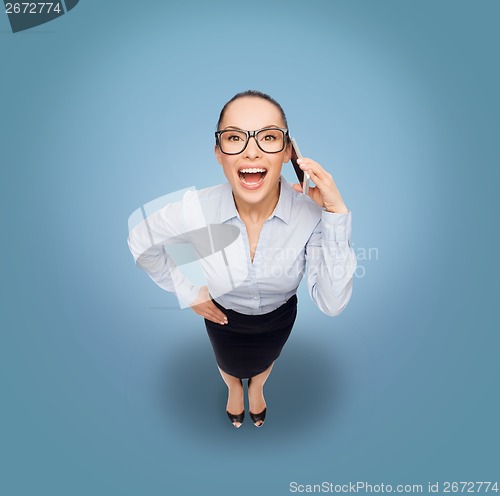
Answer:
(252, 170)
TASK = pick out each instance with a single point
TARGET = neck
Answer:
(261, 211)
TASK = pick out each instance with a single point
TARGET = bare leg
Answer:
(256, 400)
(235, 402)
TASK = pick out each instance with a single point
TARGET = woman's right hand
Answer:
(204, 306)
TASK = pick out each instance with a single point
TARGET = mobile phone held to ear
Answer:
(302, 176)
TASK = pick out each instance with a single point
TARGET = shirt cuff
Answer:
(336, 227)
(187, 294)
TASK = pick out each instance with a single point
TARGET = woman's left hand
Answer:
(326, 193)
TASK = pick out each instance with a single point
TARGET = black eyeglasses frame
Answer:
(252, 134)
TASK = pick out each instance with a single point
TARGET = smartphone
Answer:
(302, 176)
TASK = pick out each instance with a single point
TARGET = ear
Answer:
(287, 153)
(218, 154)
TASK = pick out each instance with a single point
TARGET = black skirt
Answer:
(248, 344)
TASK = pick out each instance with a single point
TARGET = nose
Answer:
(252, 150)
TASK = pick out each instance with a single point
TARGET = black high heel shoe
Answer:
(257, 417)
(237, 418)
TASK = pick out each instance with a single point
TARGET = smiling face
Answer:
(253, 174)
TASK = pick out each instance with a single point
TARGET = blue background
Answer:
(108, 387)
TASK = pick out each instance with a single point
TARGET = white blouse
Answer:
(204, 229)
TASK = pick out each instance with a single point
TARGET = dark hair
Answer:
(255, 94)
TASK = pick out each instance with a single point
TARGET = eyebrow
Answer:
(240, 129)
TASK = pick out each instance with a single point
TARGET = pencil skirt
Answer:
(248, 344)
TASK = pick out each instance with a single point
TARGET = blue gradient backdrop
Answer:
(108, 388)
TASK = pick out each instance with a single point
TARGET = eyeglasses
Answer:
(269, 140)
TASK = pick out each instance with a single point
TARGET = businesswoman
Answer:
(282, 235)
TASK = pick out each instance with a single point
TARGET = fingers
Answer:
(326, 193)
(314, 177)
(306, 164)
(312, 193)
(217, 316)
(210, 312)
(319, 176)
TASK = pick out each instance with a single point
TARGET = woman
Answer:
(281, 233)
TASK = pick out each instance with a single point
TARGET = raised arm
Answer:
(331, 261)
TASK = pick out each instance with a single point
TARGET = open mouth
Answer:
(252, 177)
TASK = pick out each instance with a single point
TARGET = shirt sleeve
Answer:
(331, 263)
(147, 243)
